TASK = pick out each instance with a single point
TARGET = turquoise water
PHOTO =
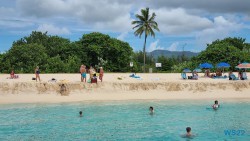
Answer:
(124, 121)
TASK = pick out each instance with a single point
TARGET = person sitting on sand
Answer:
(195, 75)
(229, 75)
(12, 74)
(101, 73)
(80, 114)
(151, 110)
(240, 75)
(63, 89)
(218, 73)
(207, 73)
(216, 105)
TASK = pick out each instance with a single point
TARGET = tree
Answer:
(221, 52)
(98, 46)
(24, 58)
(145, 24)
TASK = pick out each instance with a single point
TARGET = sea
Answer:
(126, 121)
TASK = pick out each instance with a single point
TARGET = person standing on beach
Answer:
(82, 72)
(101, 73)
(84, 75)
(91, 72)
(37, 72)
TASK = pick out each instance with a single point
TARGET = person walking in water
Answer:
(37, 72)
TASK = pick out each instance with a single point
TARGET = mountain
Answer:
(168, 53)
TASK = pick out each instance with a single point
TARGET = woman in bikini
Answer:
(101, 73)
(37, 72)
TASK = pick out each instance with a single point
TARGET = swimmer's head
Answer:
(188, 129)
(216, 102)
(80, 113)
(151, 108)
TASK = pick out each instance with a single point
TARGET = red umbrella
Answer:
(244, 66)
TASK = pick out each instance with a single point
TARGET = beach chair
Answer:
(183, 75)
(233, 77)
(244, 75)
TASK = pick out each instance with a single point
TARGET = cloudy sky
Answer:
(183, 24)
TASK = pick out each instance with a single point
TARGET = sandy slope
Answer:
(151, 86)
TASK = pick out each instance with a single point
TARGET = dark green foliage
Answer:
(115, 53)
(24, 58)
(229, 50)
(54, 54)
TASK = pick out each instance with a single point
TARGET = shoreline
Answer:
(151, 87)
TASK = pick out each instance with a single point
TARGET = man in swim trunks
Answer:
(83, 73)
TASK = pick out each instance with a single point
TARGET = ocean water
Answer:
(123, 120)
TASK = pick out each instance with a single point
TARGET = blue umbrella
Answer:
(197, 70)
(223, 65)
(206, 66)
(186, 70)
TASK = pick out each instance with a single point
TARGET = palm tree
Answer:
(146, 24)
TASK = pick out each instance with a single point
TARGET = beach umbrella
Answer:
(186, 70)
(206, 66)
(223, 65)
(197, 70)
(244, 65)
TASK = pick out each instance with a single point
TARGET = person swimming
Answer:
(216, 105)
(151, 110)
(80, 114)
(188, 134)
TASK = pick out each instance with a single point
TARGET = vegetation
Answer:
(145, 24)
(230, 50)
(55, 54)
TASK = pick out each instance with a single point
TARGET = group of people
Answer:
(188, 134)
(218, 73)
(92, 74)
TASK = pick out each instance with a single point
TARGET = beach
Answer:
(119, 86)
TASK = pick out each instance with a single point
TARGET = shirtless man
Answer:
(82, 72)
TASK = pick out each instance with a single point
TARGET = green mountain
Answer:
(168, 53)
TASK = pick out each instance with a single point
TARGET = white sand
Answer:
(157, 86)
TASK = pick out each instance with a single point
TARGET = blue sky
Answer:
(188, 24)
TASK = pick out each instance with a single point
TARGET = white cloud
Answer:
(122, 36)
(221, 28)
(52, 29)
(178, 21)
(154, 46)
(98, 14)
(173, 46)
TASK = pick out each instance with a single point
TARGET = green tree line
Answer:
(54, 54)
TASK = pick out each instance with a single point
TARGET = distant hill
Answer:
(168, 53)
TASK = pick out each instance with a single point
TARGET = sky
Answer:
(184, 24)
